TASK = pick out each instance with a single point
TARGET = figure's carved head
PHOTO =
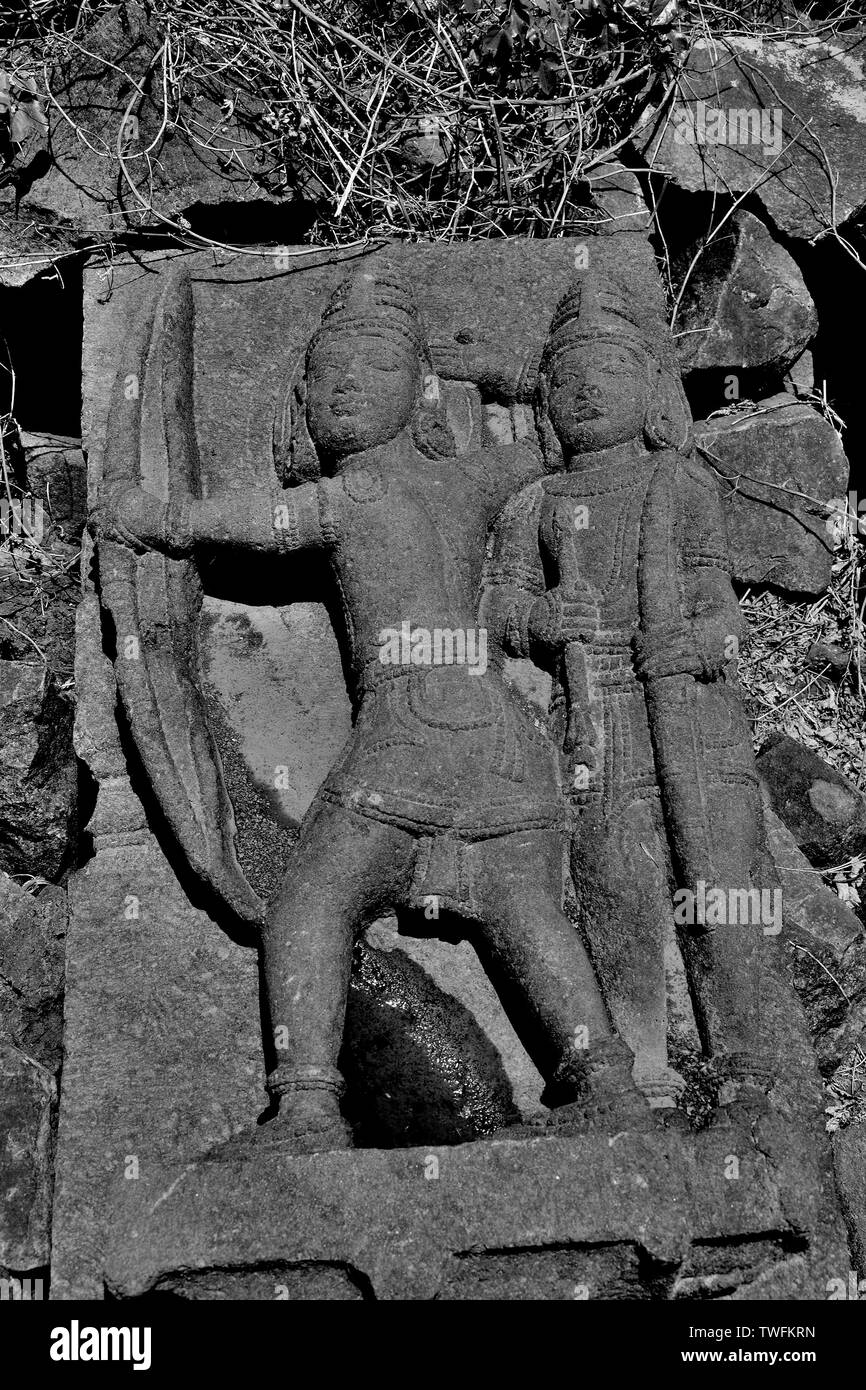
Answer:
(367, 366)
(603, 383)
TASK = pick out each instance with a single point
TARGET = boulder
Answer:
(745, 306)
(825, 813)
(616, 192)
(783, 117)
(780, 462)
(849, 1158)
(826, 949)
(27, 1095)
(57, 475)
(38, 772)
(109, 161)
(32, 940)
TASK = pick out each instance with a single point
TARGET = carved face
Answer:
(597, 395)
(361, 390)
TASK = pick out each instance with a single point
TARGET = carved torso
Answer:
(441, 747)
(590, 534)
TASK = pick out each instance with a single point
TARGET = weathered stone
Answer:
(454, 967)
(828, 659)
(88, 175)
(799, 379)
(350, 409)
(546, 1218)
(745, 306)
(849, 1156)
(780, 464)
(27, 1094)
(825, 813)
(32, 939)
(617, 193)
(38, 774)
(790, 126)
(57, 474)
(827, 951)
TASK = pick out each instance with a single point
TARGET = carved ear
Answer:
(668, 420)
(295, 457)
(551, 449)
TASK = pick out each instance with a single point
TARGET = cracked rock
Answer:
(783, 117)
(745, 306)
(779, 464)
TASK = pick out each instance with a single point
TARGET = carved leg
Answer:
(536, 958)
(344, 870)
(619, 868)
(728, 966)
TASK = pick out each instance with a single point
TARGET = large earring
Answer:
(667, 422)
(551, 449)
(295, 457)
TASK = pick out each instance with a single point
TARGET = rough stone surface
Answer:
(27, 1095)
(849, 1153)
(454, 967)
(32, 939)
(812, 91)
(800, 376)
(827, 951)
(202, 787)
(56, 473)
(824, 812)
(38, 772)
(642, 1216)
(69, 186)
(780, 465)
(616, 191)
(745, 306)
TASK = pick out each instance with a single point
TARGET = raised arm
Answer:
(259, 521)
(513, 574)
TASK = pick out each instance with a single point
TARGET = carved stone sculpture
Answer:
(405, 675)
(613, 571)
(445, 789)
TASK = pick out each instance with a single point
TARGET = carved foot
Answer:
(301, 1130)
(662, 1086)
(607, 1095)
(743, 1092)
(308, 1121)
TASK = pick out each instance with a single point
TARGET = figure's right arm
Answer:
(260, 521)
(514, 575)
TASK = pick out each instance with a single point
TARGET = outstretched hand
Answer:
(673, 650)
(130, 516)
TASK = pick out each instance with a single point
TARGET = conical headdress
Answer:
(599, 308)
(376, 301)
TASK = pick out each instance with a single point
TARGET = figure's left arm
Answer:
(709, 601)
(704, 637)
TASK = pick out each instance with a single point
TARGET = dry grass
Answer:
(394, 118)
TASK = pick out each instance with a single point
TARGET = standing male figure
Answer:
(445, 787)
(613, 572)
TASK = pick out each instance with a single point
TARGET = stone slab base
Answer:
(727, 1213)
